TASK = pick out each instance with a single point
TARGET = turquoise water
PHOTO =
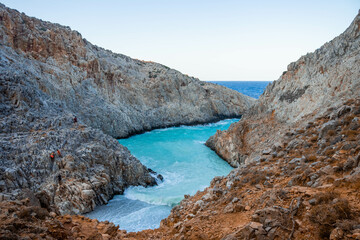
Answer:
(187, 165)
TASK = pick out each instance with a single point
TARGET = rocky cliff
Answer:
(317, 81)
(297, 150)
(48, 75)
(309, 191)
(108, 91)
(88, 170)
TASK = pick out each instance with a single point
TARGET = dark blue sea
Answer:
(251, 88)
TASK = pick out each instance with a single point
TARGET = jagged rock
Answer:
(50, 76)
(310, 86)
(105, 90)
(336, 234)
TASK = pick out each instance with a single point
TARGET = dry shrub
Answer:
(255, 178)
(313, 139)
(329, 209)
(325, 197)
(311, 158)
(300, 131)
(331, 132)
(350, 102)
(339, 167)
(329, 152)
(346, 225)
(347, 120)
(351, 134)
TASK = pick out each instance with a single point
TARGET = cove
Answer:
(180, 156)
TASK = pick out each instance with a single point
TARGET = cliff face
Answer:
(50, 74)
(89, 170)
(300, 143)
(309, 190)
(317, 81)
(108, 91)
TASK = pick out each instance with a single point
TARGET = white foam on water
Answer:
(180, 156)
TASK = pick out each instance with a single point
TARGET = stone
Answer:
(301, 94)
(266, 151)
(330, 125)
(255, 225)
(108, 91)
(295, 161)
(312, 201)
(207, 197)
(56, 76)
(229, 208)
(336, 234)
(327, 170)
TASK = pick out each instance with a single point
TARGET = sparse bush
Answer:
(331, 132)
(255, 178)
(346, 225)
(347, 120)
(350, 134)
(339, 167)
(329, 209)
(311, 158)
(300, 131)
(329, 152)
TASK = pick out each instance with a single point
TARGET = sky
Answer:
(211, 40)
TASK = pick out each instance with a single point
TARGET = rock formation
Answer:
(50, 74)
(307, 190)
(108, 91)
(297, 152)
(88, 170)
(317, 81)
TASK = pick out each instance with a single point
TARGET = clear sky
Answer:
(211, 40)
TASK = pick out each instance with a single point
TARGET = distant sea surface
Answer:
(251, 88)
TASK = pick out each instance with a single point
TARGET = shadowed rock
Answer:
(315, 83)
(48, 75)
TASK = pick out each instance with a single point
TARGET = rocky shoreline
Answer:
(316, 82)
(296, 149)
(216, 119)
(50, 75)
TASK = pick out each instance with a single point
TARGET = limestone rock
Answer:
(48, 75)
(317, 82)
(108, 91)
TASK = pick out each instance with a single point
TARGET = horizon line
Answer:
(237, 80)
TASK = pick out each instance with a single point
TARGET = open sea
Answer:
(177, 153)
(251, 88)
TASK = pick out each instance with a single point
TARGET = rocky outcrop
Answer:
(108, 91)
(317, 81)
(48, 75)
(88, 170)
(306, 188)
(298, 174)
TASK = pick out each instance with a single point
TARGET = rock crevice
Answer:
(49, 75)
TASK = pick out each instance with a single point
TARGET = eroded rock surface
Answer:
(108, 91)
(89, 170)
(310, 191)
(317, 81)
(48, 75)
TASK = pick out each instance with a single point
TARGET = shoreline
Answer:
(221, 118)
(207, 125)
